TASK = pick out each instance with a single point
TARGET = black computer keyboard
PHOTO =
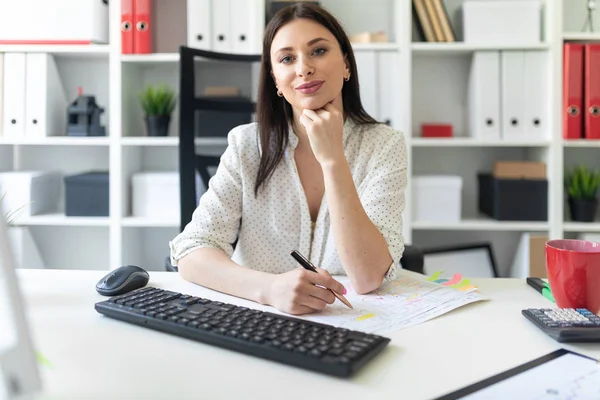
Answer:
(292, 341)
(566, 324)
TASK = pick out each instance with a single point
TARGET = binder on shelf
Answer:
(444, 20)
(142, 29)
(127, 26)
(435, 21)
(45, 99)
(512, 65)
(484, 95)
(199, 24)
(572, 90)
(54, 22)
(1, 90)
(226, 26)
(14, 89)
(247, 23)
(536, 95)
(592, 91)
(221, 37)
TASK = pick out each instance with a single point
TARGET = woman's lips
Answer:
(309, 88)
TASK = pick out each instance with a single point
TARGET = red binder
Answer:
(592, 91)
(142, 40)
(126, 26)
(572, 90)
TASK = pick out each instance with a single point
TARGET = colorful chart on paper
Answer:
(399, 304)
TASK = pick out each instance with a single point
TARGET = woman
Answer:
(316, 173)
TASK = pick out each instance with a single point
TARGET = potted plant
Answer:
(158, 102)
(582, 186)
(25, 250)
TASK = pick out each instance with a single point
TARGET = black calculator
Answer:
(566, 324)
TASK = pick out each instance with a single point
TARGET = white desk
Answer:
(93, 356)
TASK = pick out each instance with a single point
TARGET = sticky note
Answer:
(455, 279)
(435, 276)
(42, 360)
(366, 316)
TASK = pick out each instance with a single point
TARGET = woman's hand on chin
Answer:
(324, 128)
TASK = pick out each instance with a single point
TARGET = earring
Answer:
(347, 78)
(279, 93)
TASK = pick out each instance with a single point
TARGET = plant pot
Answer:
(157, 125)
(583, 210)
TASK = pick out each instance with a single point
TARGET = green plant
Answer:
(158, 100)
(582, 183)
(12, 215)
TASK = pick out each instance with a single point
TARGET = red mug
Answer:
(573, 268)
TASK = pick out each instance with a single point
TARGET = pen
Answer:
(541, 287)
(306, 264)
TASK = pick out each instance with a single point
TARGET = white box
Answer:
(57, 21)
(156, 195)
(436, 198)
(502, 22)
(30, 192)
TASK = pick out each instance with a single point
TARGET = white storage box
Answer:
(502, 22)
(32, 192)
(436, 198)
(156, 195)
(56, 22)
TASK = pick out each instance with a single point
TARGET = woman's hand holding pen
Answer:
(324, 128)
(295, 292)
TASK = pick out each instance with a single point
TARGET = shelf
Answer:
(481, 224)
(581, 143)
(171, 141)
(66, 50)
(61, 220)
(174, 57)
(57, 141)
(143, 222)
(470, 142)
(459, 47)
(582, 227)
(583, 36)
(150, 58)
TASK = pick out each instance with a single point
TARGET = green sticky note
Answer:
(547, 293)
(435, 276)
(42, 360)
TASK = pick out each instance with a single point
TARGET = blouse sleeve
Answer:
(382, 197)
(215, 222)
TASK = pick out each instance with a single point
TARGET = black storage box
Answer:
(513, 199)
(86, 195)
(211, 123)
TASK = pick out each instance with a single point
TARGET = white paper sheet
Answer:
(566, 377)
(404, 302)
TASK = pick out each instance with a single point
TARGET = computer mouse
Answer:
(122, 280)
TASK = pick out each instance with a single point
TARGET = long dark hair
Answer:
(274, 113)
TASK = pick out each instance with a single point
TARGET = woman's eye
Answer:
(319, 51)
(286, 59)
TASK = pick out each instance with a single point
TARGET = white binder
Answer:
(199, 24)
(14, 89)
(247, 26)
(221, 35)
(366, 63)
(45, 99)
(512, 94)
(484, 96)
(536, 97)
(388, 75)
(1, 90)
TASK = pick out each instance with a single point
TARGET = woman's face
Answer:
(307, 65)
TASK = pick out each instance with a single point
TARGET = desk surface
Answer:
(93, 356)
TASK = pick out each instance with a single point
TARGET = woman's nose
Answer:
(304, 69)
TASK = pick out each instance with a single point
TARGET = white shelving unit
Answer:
(429, 85)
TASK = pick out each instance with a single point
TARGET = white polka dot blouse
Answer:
(267, 227)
